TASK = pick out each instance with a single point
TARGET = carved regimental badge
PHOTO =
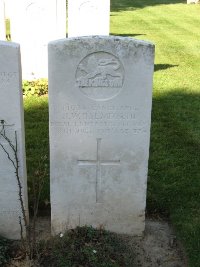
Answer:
(100, 76)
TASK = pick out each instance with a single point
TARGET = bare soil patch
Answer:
(157, 248)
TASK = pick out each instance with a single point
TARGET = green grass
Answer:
(174, 176)
(37, 146)
(7, 26)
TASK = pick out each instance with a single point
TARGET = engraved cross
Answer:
(98, 163)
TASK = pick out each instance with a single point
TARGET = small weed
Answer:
(4, 251)
(85, 247)
(38, 87)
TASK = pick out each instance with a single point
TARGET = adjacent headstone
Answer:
(192, 1)
(8, 8)
(100, 95)
(2, 21)
(88, 17)
(34, 23)
(11, 130)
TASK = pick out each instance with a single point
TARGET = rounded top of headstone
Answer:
(9, 44)
(102, 38)
(123, 46)
(101, 65)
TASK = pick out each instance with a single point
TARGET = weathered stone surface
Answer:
(2, 21)
(100, 94)
(88, 17)
(11, 122)
(33, 24)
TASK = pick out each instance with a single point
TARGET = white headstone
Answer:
(192, 1)
(9, 7)
(11, 123)
(88, 17)
(2, 21)
(34, 23)
(100, 95)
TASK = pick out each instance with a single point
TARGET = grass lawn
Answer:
(37, 146)
(174, 165)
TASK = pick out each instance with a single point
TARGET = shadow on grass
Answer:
(125, 5)
(158, 67)
(37, 146)
(174, 177)
(123, 35)
(127, 34)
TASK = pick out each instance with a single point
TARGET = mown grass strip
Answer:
(174, 179)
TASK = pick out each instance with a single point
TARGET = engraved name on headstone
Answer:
(11, 134)
(100, 94)
(88, 17)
